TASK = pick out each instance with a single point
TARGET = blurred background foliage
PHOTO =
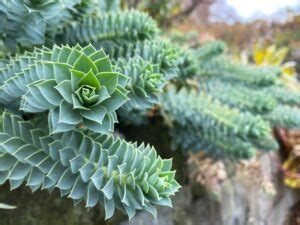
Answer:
(265, 40)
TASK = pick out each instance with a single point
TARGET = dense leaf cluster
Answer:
(76, 85)
(27, 23)
(99, 65)
(231, 102)
(78, 88)
(85, 166)
(210, 123)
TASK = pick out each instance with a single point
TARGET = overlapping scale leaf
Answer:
(118, 26)
(234, 121)
(88, 8)
(187, 139)
(187, 64)
(283, 94)
(241, 96)
(161, 53)
(284, 116)
(26, 23)
(76, 85)
(266, 102)
(85, 166)
(223, 68)
(145, 82)
(213, 121)
(210, 50)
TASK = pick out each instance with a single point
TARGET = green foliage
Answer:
(242, 97)
(80, 87)
(77, 85)
(213, 62)
(116, 26)
(234, 108)
(168, 62)
(187, 64)
(283, 95)
(267, 102)
(284, 116)
(215, 123)
(117, 63)
(25, 23)
(126, 34)
(214, 145)
(85, 166)
(145, 82)
(157, 51)
(227, 70)
(210, 50)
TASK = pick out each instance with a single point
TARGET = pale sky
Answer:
(246, 8)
